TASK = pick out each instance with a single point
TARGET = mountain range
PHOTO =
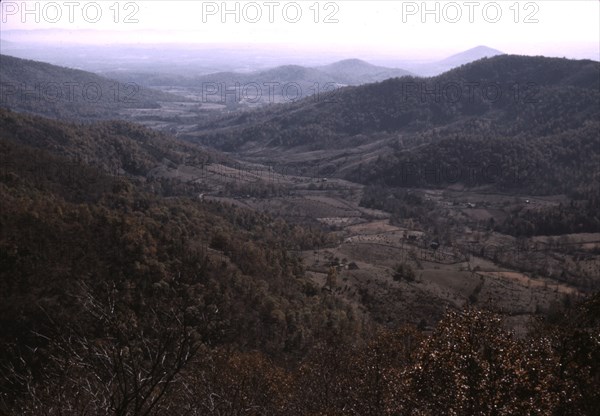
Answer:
(373, 127)
(61, 47)
(512, 113)
(342, 73)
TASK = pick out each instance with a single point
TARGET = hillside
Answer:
(77, 237)
(64, 93)
(497, 99)
(119, 298)
(116, 147)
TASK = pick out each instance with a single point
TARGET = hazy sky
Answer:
(416, 28)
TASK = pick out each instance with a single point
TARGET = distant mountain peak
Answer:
(351, 61)
(484, 48)
(472, 54)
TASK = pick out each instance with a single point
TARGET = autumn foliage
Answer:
(115, 300)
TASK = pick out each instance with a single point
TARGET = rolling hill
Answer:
(506, 97)
(73, 227)
(116, 147)
(357, 72)
(64, 93)
(346, 72)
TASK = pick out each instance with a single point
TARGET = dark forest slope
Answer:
(64, 93)
(505, 113)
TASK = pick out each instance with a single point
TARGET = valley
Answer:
(410, 235)
(452, 255)
(364, 252)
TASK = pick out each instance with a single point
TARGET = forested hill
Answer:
(64, 93)
(545, 140)
(513, 112)
(102, 261)
(515, 95)
(562, 163)
(117, 147)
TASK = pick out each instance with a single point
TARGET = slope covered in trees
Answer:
(64, 93)
(113, 146)
(118, 301)
(95, 263)
(566, 162)
(537, 89)
(528, 123)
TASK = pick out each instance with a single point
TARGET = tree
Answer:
(332, 276)
(129, 370)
